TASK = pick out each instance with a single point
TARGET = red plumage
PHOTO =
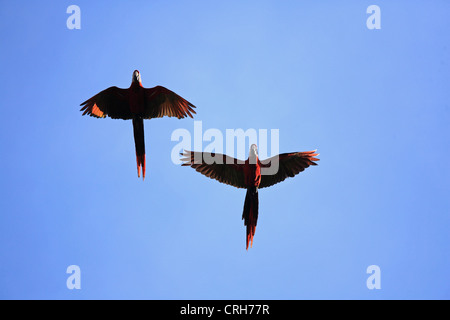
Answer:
(248, 174)
(137, 103)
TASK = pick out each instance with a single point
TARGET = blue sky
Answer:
(375, 103)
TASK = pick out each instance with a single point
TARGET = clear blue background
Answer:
(374, 102)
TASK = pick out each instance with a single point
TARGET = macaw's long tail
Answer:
(250, 214)
(138, 128)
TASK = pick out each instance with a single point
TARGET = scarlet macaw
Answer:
(137, 103)
(247, 174)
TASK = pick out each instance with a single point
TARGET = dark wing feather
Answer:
(112, 102)
(162, 102)
(289, 164)
(226, 169)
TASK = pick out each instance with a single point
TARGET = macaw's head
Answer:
(253, 154)
(136, 76)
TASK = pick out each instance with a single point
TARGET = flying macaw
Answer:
(247, 174)
(137, 103)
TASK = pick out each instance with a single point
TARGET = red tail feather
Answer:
(250, 214)
(138, 129)
(251, 228)
(140, 160)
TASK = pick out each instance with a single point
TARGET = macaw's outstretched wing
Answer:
(217, 166)
(112, 102)
(160, 102)
(289, 165)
